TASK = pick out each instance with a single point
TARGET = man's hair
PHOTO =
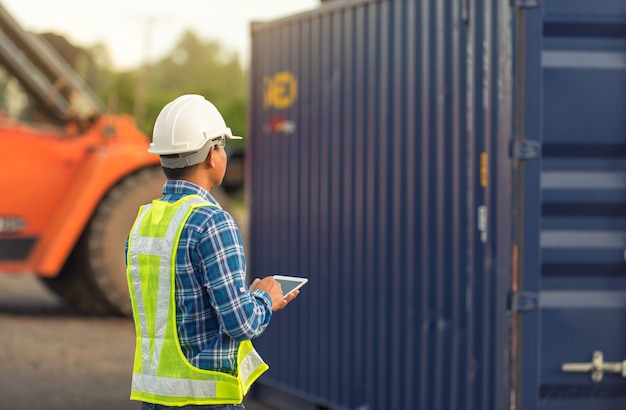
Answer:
(178, 173)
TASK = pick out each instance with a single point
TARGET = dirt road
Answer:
(52, 358)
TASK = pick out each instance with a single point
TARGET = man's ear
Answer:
(210, 158)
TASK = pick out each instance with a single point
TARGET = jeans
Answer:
(150, 406)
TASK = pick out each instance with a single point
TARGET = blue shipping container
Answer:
(451, 177)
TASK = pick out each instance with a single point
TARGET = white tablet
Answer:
(290, 283)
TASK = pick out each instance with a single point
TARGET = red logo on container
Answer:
(278, 123)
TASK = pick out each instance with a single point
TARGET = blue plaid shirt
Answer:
(214, 308)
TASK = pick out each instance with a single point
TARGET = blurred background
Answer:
(139, 55)
(126, 59)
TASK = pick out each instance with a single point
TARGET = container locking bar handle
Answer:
(597, 367)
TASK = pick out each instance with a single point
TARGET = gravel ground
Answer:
(54, 359)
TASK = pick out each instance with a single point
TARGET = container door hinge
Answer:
(525, 150)
(597, 367)
(525, 4)
(523, 301)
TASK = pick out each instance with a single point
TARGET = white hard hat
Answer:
(184, 127)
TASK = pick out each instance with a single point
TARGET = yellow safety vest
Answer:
(161, 372)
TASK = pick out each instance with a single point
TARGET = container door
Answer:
(569, 297)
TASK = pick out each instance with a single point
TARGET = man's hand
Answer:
(273, 288)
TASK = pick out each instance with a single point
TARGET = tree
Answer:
(200, 67)
(193, 66)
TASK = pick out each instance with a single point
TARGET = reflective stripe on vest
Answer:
(162, 374)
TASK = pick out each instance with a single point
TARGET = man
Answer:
(194, 315)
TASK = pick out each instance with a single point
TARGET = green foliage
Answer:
(120, 94)
(193, 66)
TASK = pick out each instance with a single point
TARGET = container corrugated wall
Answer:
(367, 177)
(450, 176)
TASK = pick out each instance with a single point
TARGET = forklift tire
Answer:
(94, 277)
(74, 288)
(103, 242)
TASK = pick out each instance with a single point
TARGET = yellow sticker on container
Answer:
(484, 169)
(280, 90)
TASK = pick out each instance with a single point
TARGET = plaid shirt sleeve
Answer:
(242, 314)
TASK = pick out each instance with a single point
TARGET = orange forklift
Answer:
(71, 185)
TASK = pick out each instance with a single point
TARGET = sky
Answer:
(138, 30)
